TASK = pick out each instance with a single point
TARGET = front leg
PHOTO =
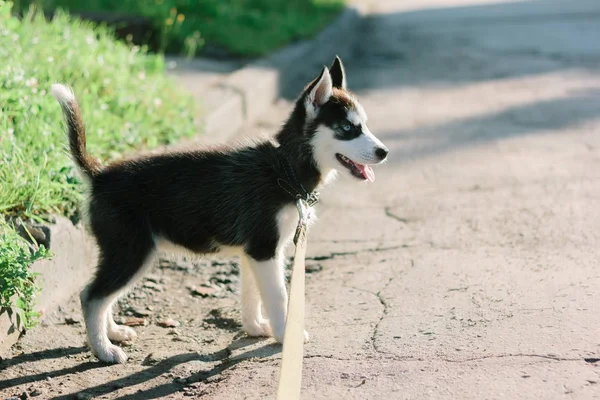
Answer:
(252, 321)
(270, 279)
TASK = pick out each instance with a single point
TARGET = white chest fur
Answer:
(287, 221)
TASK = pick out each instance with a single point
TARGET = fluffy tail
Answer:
(76, 130)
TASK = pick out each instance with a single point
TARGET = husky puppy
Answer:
(207, 201)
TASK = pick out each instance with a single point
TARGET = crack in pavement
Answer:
(362, 382)
(542, 356)
(385, 311)
(389, 213)
(330, 357)
(332, 255)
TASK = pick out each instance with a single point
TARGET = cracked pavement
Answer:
(469, 269)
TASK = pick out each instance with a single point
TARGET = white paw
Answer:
(278, 334)
(280, 337)
(112, 354)
(258, 327)
(122, 334)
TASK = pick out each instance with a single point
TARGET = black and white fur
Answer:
(208, 201)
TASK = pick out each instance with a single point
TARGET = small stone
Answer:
(83, 396)
(135, 321)
(153, 286)
(312, 268)
(36, 392)
(169, 323)
(222, 279)
(165, 263)
(344, 375)
(203, 291)
(24, 396)
(138, 311)
(178, 266)
(181, 339)
(180, 380)
(72, 320)
(153, 278)
(174, 332)
(39, 234)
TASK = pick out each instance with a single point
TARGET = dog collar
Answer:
(294, 188)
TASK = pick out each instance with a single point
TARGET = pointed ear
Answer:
(338, 75)
(318, 93)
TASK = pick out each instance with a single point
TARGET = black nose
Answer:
(381, 153)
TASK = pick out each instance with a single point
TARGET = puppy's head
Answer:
(337, 126)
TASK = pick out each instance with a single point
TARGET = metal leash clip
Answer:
(312, 198)
(304, 215)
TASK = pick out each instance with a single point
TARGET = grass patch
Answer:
(241, 27)
(126, 100)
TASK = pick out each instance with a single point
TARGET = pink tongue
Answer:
(367, 172)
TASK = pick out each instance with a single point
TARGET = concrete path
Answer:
(469, 269)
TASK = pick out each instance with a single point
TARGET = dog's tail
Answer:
(76, 130)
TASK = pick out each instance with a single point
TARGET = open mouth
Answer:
(360, 171)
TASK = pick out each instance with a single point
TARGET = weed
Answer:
(17, 282)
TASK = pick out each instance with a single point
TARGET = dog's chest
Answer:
(287, 222)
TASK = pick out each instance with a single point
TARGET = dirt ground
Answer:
(187, 313)
(468, 270)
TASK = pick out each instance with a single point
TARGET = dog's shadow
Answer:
(223, 358)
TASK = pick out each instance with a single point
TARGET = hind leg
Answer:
(118, 333)
(95, 312)
(120, 265)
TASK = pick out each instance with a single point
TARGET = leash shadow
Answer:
(222, 357)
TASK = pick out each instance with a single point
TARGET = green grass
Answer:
(126, 100)
(242, 27)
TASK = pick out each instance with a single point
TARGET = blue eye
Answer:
(346, 128)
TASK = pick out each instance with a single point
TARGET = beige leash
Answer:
(290, 375)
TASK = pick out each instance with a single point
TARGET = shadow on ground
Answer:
(555, 114)
(223, 359)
